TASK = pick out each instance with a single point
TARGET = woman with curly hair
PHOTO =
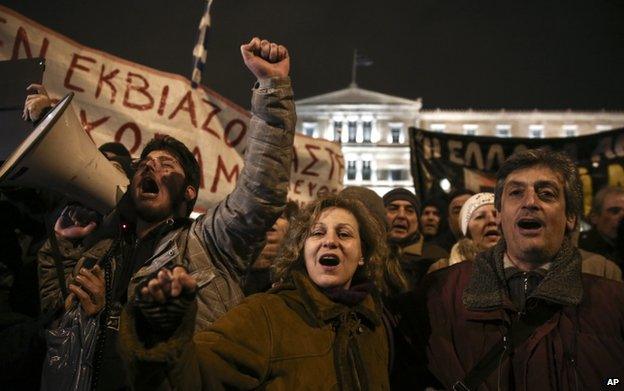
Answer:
(319, 328)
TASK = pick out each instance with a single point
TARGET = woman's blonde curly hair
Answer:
(374, 247)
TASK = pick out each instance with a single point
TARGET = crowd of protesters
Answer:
(488, 290)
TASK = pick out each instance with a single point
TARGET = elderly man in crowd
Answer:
(402, 210)
(150, 228)
(606, 214)
(522, 316)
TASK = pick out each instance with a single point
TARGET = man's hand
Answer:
(35, 103)
(168, 284)
(266, 59)
(91, 291)
(75, 222)
(165, 300)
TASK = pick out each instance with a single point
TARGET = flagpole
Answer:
(199, 51)
(353, 69)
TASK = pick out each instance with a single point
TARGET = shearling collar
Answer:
(320, 307)
(463, 250)
(415, 248)
(487, 288)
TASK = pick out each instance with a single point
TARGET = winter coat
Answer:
(218, 247)
(591, 263)
(417, 257)
(295, 338)
(593, 241)
(598, 265)
(468, 311)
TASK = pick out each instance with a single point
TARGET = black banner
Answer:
(472, 161)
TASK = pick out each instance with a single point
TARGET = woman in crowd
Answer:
(478, 220)
(320, 328)
(395, 281)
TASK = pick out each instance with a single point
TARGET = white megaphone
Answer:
(59, 155)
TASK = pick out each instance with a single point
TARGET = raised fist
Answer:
(266, 59)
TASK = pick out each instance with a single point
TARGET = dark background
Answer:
(483, 54)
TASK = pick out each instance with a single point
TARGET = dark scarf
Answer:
(347, 356)
(352, 296)
(488, 285)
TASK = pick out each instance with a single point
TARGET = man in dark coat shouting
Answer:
(523, 316)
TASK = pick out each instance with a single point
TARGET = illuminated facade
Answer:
(373, 129)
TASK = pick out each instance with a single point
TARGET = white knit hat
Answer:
(473, 203)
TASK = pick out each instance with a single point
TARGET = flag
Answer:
(362, 61)
(359, 60)
(199, 52)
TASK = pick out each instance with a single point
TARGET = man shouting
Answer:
(150, 228)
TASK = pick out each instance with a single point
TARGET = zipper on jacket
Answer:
(526, 285)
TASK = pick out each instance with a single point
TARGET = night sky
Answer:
(480, 54)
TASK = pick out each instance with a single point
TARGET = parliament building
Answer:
(373, 129)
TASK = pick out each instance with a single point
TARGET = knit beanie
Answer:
(473, 203)
(403, 195)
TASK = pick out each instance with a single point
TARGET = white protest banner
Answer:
(117, 100)
(318, 169)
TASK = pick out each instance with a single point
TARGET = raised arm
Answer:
(237, 225)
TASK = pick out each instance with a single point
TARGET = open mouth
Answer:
(399, 225)
(149, 186)
(529, 224)
(493, 232)
(329, 260)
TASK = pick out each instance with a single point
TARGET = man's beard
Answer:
(152, 215)
(536, 255)
(176, 189)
